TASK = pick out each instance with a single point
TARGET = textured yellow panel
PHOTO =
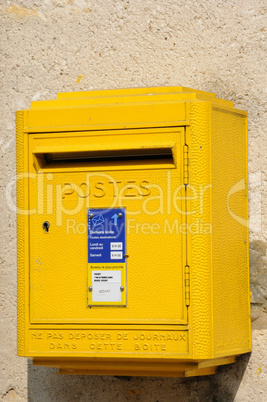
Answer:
(199, 252)
(230, 232)
(103, 343)
(21, 232)
(58, 275)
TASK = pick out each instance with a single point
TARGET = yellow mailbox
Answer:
(132, 232)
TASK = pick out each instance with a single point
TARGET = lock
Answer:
(145, 270)
(46, 225)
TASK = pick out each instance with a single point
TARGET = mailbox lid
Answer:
(155, 242)
(131, 108)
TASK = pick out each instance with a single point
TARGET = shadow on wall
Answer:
(47, 385)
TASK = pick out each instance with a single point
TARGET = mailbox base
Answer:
(131, 367)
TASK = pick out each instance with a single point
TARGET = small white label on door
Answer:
(116, 255)
(106, 286)
(116, 245)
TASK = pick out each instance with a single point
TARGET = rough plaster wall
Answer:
(49, 46)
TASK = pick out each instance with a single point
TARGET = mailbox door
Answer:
(139, 174)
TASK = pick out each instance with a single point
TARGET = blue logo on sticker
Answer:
(98, 220)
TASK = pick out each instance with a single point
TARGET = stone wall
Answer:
(50, 46)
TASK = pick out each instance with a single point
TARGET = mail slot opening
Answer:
(162, 156)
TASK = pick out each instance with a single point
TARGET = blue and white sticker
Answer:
(106, 235)
(106, 257)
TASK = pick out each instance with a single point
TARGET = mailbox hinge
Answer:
(187, 285)
(186, 164)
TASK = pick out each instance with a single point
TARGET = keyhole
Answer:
(46, 225)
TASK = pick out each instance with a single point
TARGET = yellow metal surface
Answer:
(230, 210)
(176, 159)
(140, 367)
(70, 192)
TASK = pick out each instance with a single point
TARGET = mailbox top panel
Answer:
(135, 95)
(118, 108)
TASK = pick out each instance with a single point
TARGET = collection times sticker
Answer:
(106, 257)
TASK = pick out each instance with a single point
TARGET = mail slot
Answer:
(133, 232)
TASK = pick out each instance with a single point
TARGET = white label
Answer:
(116, 245)
(106, 286)
(116, 255)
